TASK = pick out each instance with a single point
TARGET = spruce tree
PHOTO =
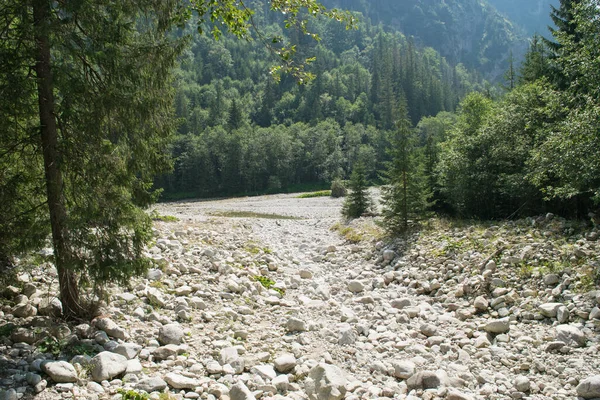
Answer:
(404, 196)
(358, 200)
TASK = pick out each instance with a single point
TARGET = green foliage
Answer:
(358, 201)
(268, 283)
(322, 193)
(132, 395)
(164, 218)
(7, 329)
(292, 135)
(338, 189)
(49, 345)
(566, 165)
(404, 198)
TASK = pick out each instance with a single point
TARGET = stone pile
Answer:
(288, 309)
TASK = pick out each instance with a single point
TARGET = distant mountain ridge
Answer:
(477, 33)
(532, 15)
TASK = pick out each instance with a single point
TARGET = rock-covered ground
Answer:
(240, 307)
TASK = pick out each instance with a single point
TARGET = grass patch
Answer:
(164, 218)
(358, 234)
(254, 248)
(132, 395)
(249, 214)
(268, 283)
(322, 193)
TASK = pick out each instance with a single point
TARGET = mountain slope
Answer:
(471, 32)
(532, 15)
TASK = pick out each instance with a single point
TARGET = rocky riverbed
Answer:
(244, 307)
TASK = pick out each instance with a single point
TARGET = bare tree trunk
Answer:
(69, 292)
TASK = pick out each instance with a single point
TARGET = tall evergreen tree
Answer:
(404, 196)
(235, 118)
(358, 200)
(563, 18)
(536, 64)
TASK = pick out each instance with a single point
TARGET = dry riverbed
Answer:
(260, 298)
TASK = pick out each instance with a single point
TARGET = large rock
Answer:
(60, 371)
(501, 325)
(427, 380)
(128, 350)
(570, 335)
(170, 334)
(155, 296)
(164, 352)
(403, 369)
(155, 384)
(239, 391)
(589, 388)
(285, 363)
(356, 286)
(295, 325)
(50, 306)
(480, 303)
(265, 371)
(24, 311)
(229, 355)
(549, 309)
(181, 382)
(111, 328)
(326, 382)
(107, 365)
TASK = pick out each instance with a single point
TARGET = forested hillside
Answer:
(464, 31)
(243, 132)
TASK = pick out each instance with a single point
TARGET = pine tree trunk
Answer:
(69, 292)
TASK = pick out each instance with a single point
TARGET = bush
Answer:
(338, 189)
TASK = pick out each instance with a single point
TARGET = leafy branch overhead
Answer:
(236, 18)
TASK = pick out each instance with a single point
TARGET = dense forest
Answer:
(241, 132)
(487, 151)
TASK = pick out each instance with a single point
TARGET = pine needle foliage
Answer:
(405, 198)
(358, 200)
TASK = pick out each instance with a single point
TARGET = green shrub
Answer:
(338, 189)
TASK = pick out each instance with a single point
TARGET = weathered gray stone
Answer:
(128, 350)
(480, 303)
(326, 382)
(164, 352)
(427, 380)
(181, 382)
(589, 388)
(498, 326)
(285, 363)
(107, 365)
(403, 369)
(295, 325)
(356, 286)
(24, 311)
(239, 391)
(60, 371)
(549, 309)
(522, 384)
(170, 334)
(570, 335)
(111, 328)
